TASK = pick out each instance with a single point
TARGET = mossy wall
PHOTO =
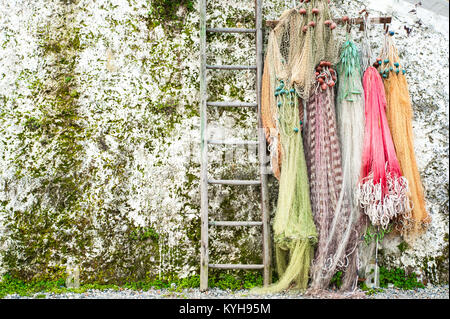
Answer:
(99, 137)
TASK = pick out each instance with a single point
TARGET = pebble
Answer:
(430, 292)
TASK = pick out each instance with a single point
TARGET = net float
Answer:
(345, 18)
(321, 80)
(333, 26)
(312, 24)
(324, 86)
(305, 28)
(302, 11)
(319, 69)
(331, 84)
(315, 11)
(328, 22)
(334, 78)
(322, 63)
(317, 74)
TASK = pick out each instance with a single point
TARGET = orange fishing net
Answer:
(399, 115)
(268, 120)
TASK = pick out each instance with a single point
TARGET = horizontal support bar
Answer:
(231, 67)
(232, 104)
(231, 30)
(234, 182)
(235, 224)
(235, 266)
(379, 20)
(217, 142)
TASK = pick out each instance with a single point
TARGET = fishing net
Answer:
(296, 45)
(294, 230)
(299, 42)
(330, 206)
(382, 191)
(399, 117)
(350, 121)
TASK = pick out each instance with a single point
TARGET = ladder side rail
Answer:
(204, 254)
(262, 147)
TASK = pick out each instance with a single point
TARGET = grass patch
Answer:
(10, 285)
(396, 277)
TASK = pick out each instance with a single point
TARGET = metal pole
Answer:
(376, 262)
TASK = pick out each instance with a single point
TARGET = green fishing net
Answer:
(294, 230)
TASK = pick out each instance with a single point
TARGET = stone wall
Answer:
(99, 136)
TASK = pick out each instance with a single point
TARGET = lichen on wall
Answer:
(99, 137)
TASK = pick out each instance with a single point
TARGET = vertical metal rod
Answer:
(262, 146)
(376, 262)
(204, 257)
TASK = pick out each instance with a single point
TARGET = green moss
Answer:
(436, 268)
(50, 229)
(403, 246)
(164, 12)
(144, 233)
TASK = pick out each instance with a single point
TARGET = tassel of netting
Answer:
(350, 121)
(399, 116)
(330, 206)
(382, 191)
(294, 230)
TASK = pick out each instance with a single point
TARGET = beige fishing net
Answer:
(294, 49)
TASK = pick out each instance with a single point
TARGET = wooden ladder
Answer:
(204, 180)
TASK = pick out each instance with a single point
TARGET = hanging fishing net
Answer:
(294, 230)
(382, 191)
(302, 38)
(350, 121)
(330, 204)
(399, 117)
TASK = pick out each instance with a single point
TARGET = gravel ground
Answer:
(430, 292)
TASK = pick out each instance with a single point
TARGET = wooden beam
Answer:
(379, 20)
(262, 147)
(204, 249)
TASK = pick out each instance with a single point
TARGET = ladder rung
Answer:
(233, 182)
(231, 30)
(231, 67)
(235, 266)
(223, 142)
(235, 224)
(232, 104)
